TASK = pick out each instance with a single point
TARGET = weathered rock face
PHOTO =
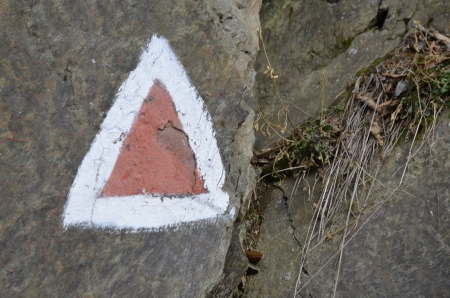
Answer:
(402, 248)
(279, 242)
(61, 66)
(308, 41)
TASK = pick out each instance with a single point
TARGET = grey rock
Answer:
(278, 243)
(401, 86)
(309, 40)
(401, 249)
(61, 66)
(252, 269)
(236, 264)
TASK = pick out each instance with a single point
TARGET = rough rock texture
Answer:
(236, 261)
(61, 65)
(307, 40)
(401, 250)
(278, 241)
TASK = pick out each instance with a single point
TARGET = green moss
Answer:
(370, 67)
(343, 99)
(282, 164)
(346, 43)
(277, 15)
(252, 214)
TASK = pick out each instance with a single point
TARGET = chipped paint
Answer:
(87, 207)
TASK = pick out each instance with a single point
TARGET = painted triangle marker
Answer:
(155, 161)
(155, 156)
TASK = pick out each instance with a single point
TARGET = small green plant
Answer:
(412, 104)
(314, 141)
(396, 97)
(346, 43)
(442, 86)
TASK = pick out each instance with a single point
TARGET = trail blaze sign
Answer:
(155, 161)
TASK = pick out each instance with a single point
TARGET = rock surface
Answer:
(278, 241)
(324, 44)
(402, 250)
(61, 66)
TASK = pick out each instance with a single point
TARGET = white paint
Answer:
(85, 208)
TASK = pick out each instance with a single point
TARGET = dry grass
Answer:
(398, 100)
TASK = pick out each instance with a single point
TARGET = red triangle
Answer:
(155, 156)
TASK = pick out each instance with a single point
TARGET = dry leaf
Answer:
(442, 37)
(432, 46)
(386, 103)
(394, 115)
(430, 65)
(389, 88)
(370, 102)
(253, 256)
(304, 162)
(375, 131)
(256, 125)
(393, 75)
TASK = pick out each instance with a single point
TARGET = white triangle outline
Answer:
(84, 207)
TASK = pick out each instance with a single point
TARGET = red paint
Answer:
(155, 156)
